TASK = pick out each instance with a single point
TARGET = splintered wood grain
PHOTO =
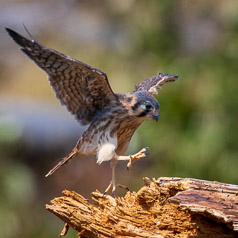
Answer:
(166, 207)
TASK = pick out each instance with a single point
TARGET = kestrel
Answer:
(112, 118)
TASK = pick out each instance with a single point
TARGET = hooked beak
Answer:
(155, 117)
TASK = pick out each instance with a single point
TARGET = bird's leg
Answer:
(113, 165)
(132, 158)
(112, 184)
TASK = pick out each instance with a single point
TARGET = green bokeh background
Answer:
(197, 133)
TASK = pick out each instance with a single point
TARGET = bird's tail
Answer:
(66, 159)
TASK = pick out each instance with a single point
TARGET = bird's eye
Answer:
(148, 106)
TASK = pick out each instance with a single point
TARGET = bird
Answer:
(111, 118)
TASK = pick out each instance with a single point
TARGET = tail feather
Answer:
(62, 162)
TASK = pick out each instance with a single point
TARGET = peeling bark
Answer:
(166, 207)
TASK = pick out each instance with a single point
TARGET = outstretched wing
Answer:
(153, 84)
(83, 89)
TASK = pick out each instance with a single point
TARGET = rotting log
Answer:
(166, 207)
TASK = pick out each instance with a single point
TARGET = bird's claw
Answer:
(113, 188)
(110, 186)
(141, 154)
(123, 187)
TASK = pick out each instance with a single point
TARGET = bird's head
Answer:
(146, 106)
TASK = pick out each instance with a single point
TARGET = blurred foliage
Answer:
(197, 132)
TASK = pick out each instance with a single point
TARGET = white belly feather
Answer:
(106, 148)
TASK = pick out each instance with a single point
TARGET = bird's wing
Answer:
(83, 89)
(153, 84)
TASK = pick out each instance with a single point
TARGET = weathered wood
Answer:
(166, 207)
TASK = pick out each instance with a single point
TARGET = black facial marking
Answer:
(129, 99)
(143, 114)
(134, 108)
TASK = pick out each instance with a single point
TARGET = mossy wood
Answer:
(166, 207)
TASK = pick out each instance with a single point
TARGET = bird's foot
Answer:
(141, 154)
(113, 188)
(110, 186)
(123, 187)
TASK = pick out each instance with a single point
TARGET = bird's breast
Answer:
(125, 131)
